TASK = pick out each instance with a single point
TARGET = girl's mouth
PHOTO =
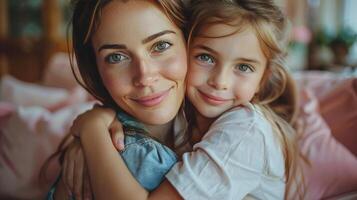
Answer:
(211, 99)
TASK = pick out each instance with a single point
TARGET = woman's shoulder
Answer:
(150, 156)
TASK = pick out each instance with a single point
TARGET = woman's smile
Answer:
(152, 99)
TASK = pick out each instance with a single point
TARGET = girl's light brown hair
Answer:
(277, 96)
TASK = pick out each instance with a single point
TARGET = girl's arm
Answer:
(61, 191)
(111, 178)
(109, 175)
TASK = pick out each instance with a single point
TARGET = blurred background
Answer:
(32, 31)
(39, 97)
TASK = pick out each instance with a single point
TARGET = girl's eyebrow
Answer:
(248, 60)
(201, 46)
(146, 40)
(244, 59)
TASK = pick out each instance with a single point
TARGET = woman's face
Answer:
(141, 57)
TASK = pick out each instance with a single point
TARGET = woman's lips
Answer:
(213, 100)
(152, 100)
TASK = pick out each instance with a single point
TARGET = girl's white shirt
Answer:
(239, 156)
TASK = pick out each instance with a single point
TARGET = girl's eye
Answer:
(244, 68)
(115, 58)
(205, 58)
(161, 46)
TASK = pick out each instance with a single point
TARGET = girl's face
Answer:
(141, 58)
(224, 72)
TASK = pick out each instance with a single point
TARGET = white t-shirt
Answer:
(239, 156)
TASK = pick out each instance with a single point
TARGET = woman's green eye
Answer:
(161, 46)
(115, 58)
(205, 58)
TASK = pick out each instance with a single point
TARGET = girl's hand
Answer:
(117, 134)
(92, 118)
(74, 174)
(100, 115)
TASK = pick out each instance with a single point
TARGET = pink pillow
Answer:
(320, 82)
(30, 94)
(333, 167)
(339, 109)
(28, 135)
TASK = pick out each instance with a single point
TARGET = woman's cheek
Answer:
(176, 68)
(116, 82)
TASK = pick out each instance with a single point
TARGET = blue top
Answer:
(147, 159)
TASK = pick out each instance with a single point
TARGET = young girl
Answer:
(242, 98)
(235, 82)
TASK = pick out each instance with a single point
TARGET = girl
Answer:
(242, 98)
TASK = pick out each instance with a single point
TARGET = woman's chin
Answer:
(157, 119)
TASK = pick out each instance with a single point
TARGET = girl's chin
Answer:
(210, 113)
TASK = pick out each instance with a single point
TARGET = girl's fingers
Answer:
(87, 189)
(78, 174)
(74, 129)
(67, 172)
(117, 135)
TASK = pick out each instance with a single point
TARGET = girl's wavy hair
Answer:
(277, 96)
(85, 21)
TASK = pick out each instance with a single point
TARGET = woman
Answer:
(132, 56)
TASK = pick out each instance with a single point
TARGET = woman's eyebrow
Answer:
(146, 40)
(111, 46)
(156, 35)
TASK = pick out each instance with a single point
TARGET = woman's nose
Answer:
(146, 73)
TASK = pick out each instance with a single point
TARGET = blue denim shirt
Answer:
(147, 160)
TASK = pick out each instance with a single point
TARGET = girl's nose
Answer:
(219, 79)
